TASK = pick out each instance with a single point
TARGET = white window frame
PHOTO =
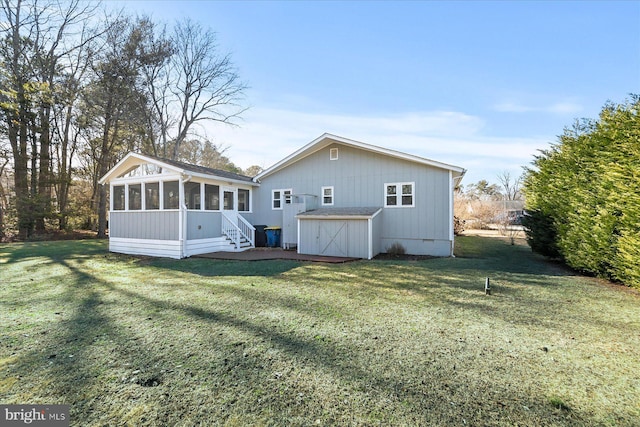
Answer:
(332, 195)
(333, 154)
(285, 198)
(399, 194)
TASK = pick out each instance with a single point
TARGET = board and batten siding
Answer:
(358, 177)
(334, 237)
(154, 225)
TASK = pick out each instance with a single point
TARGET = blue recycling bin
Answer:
(273, 236)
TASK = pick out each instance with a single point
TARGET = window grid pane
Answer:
(327, 195)
(399, 194)
(276, 200)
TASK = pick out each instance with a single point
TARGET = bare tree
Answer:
(205, 85)
(511, 192)
(115, 104)
(510, 186)
(206, 153)
(34, 42)
(66, 130)
(158, 48)
(253, 170)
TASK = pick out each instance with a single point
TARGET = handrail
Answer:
(231, 230)
(237, 229)
(247, 230)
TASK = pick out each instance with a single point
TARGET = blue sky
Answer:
(481, 85)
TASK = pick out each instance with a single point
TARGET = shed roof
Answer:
(341, 213)
(132, 160)
(327, 139)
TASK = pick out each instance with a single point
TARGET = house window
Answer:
(399, 194)
(170, 195)
(211, 197)
(118, 197)
(135, 197)
(333, 154)
(192, 195)
(280, 198)
(152, 195)
(243, 200)
(327, 196)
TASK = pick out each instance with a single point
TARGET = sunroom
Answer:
(162, 207)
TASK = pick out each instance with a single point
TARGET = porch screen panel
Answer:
(152, 196)
(211, 197)
(135, 197)
(243, 200)
(171, 194)
(228, 200)
(192, 195)
(118, 197)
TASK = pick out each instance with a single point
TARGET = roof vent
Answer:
(333, 154)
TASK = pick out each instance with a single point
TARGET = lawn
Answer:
(138, 341)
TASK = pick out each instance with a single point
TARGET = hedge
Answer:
(583, 195)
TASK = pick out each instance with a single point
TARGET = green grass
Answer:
(139, 341)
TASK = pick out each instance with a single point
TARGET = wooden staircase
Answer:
(242, 242)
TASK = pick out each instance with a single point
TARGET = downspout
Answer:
(298, 237)
(370, 238)
(451, 215)
(452, 183)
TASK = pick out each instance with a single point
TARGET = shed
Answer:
(344, 232)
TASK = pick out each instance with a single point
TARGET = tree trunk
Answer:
(44, 175)
(103, 168)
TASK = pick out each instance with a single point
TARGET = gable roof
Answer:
(133, 160)
(327, 139)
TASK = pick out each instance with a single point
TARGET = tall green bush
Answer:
(583, 195)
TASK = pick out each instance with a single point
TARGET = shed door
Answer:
(333, 238)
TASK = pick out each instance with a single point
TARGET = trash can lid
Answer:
(273, 227)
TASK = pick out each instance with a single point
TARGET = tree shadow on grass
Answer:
(327, 357)
(431, 392)
(212, 268)
(69, 355)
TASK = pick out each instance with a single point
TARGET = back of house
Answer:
(341, 197)
(333, 197)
